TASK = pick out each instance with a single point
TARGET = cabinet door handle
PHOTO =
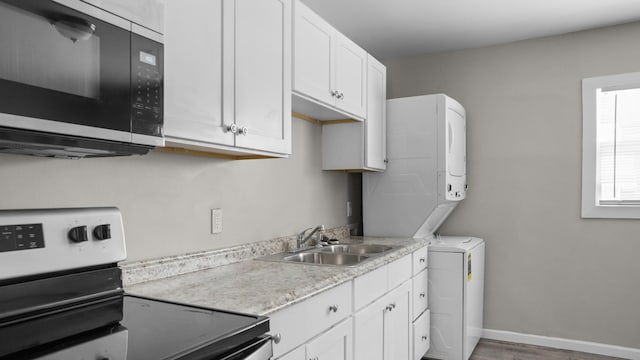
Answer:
(243, 131)
(393, 305)
(424, 338)
(422, 259)
(422, 295)
(333, 308)
(277, 338)
(233, 128)
(340, 95)
(334, 93)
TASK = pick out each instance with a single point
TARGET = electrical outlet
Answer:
(216, 221)
(349, 209)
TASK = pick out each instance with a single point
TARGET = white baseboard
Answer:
(565, 344)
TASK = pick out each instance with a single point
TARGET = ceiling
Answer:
(393, 28)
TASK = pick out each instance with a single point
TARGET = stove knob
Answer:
(102, 232)
(78, 234)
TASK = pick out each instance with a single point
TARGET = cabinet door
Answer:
(297, 354)
(335, 344)
(351, 76)
(313, 55)
(368, 331)
(193, 72)
(258, 72)
(421, 335)
(397, 324)
(376, 122)
(420, 293)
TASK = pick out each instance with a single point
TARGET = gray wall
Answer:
(549, 272)
(165, 198)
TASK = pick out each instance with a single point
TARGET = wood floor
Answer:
(500, 350)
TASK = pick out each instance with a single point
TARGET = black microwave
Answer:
(78, 80)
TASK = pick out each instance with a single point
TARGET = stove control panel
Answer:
(34, 242)
(21, 237)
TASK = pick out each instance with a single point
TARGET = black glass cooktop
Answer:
(157, 330)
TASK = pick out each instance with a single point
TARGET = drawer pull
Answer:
(333, 308)
(277, 338)
(422, 259)
(424, 338)
(422, 295)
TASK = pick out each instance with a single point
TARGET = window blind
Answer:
(618, 139)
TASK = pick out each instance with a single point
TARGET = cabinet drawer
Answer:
(368, 287)
(399, 271)
(420, 293)
(421, 335)
(420, 259)
(298, 323)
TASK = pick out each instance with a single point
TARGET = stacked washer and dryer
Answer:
(424, 181)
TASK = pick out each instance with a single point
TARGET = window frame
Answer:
(591, 208)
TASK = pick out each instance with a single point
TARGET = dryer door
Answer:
(455, 139)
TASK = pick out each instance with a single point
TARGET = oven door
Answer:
(66, 70)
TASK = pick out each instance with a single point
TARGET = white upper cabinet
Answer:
(259, 75)
(350, 76)
(375, 142)
(313, 55)
(329, 69)
(361, 146)
(245, 110)
(193, 73)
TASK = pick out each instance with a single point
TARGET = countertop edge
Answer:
(200, 287)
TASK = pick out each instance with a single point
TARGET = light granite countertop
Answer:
(262, 287)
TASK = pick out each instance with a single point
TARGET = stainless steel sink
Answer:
(336, 255)
(358, 249)
(326, 258)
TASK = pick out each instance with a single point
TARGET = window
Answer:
(611, 146)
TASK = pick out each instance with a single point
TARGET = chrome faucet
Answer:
(302, 239)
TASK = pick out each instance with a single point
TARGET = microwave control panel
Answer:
(147, 83)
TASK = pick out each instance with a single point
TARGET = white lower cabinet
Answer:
(377, 316)
(333, 344)
(382, 329)
(297, 354)
(421, 316)
(421, 335)
(297, 324)
(397, 326)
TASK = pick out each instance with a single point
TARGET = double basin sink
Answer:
(340, 255)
